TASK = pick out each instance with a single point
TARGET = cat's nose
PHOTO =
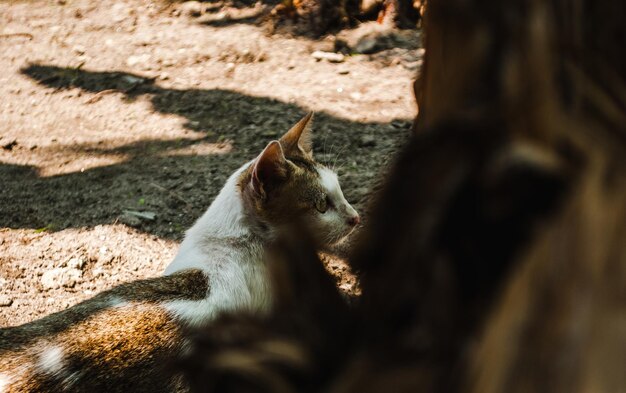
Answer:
(354, 220)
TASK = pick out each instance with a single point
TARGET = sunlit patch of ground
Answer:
(110, 107)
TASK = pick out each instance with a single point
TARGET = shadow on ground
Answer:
(178, 188)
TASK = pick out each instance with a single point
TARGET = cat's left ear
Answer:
(299, 140)
(269, 169)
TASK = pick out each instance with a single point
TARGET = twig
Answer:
(143, 215)
(9, 35)
(100, 94)
(172, 193)
(49, 78)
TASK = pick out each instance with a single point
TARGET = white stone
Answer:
(132, 79)
(76, 263)
(137, 59)
(331, 57)
(97, 272)
(60, 277)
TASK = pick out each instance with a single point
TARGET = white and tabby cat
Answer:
(123, 339)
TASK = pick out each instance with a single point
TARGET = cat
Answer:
(123, 339)
(227, 243)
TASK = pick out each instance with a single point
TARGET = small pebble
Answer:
(331, 57)
(366, 45)
(191, 8)
(10, 145)
(76, 263)
(97, 272)
(367, 141)
(130, 220)
(5, 301)
(132, 79)
(79, 49)
(134, 60)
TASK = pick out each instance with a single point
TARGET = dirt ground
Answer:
(114, 110)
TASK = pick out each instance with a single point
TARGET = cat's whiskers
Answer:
(341, 151)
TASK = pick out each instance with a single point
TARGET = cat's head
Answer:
(284, 185)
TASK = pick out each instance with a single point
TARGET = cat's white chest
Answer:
(222, 245)
(238, 280)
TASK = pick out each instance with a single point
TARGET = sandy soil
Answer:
(110, 107)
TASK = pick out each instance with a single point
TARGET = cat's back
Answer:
(120, 340)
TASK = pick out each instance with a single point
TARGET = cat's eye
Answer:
(322, 205)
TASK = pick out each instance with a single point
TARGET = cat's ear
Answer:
(270, 168)
(298, 140)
